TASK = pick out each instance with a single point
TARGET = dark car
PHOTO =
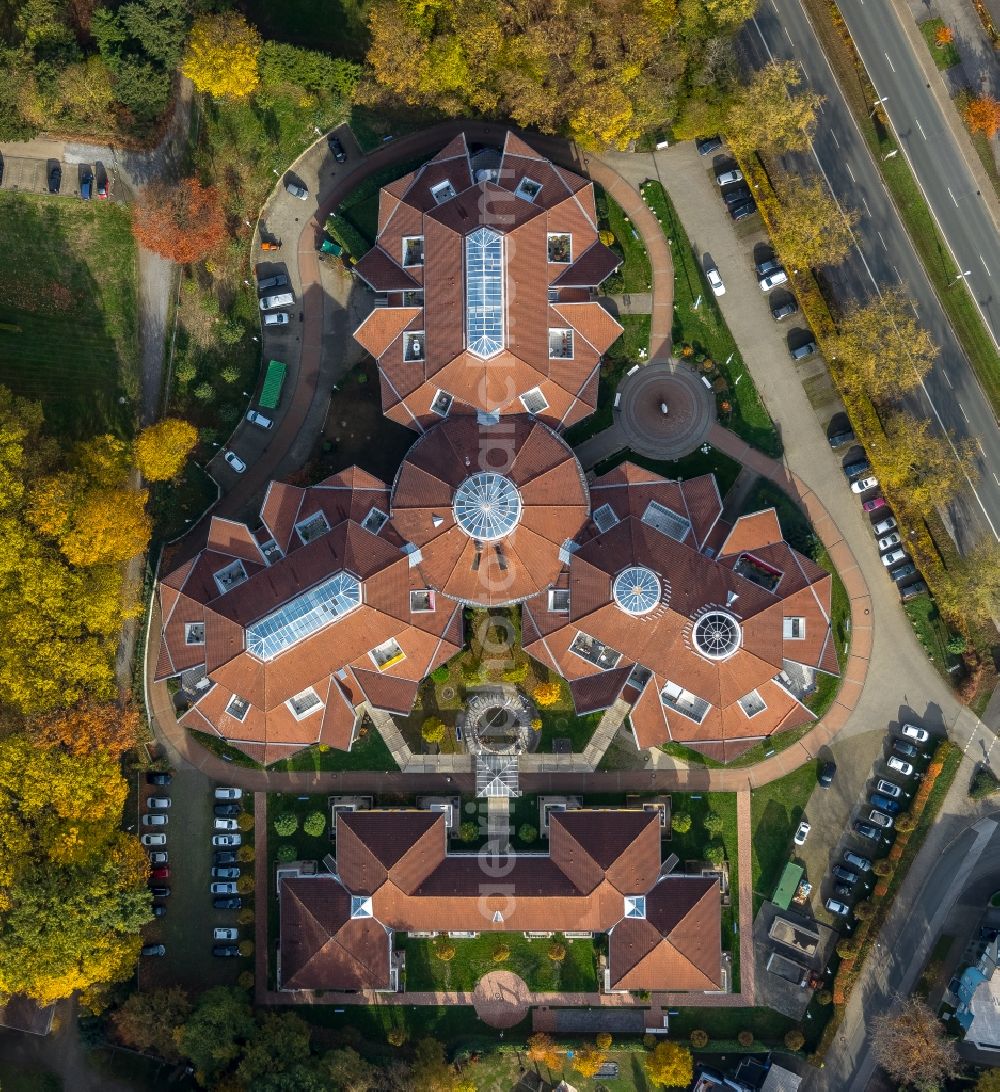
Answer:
(228, 902)
(783, 310)
(766, 266)
(223, 857)
(906, 594)
(868, 830)
(845, 875)
(903, 572)
(226, 873)
(877, 800)
(741, 212)
(225, 950)
(904, 749)
(336, 148)
(155, 777)
(227, 811)
(87, 185)
(159, 892)
(159, 909)
(707, 145)
(153, 949)
(857, 861)
(161, 873)
(859, 466)
(839, 439)
(738, 195)
(55, 178)
(827, 772)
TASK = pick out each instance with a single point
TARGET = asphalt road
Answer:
(951, 395)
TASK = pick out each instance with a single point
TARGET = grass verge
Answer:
(775, 812)
(224, 750)
(368, 753)
(635, 273)
(945, 54)
(932, 632)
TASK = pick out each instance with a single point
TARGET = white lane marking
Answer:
(947, 380)
(889, 59)
(964, 414)
(850, 172)
(775, 6)
(789, 37)
(981, 451)
(985, 266)
(995, 478)
(916, 121)
(898, 277)
(952, 196)
(884, 247)
(913, 307)
(867, 209)
(835, 140)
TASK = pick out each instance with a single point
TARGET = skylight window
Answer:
(442, 403)
(635, 906)
(413, 250)
(752, 704)
(684, 702)
(559, 601)
(605, 518)
(386, 654)
(534, 401)
(487, 506)
(375, 520)
(666, 521)
(303, 616)
(361, 906)
(717, 635)
(528, 189)
(304, 704)
(413, 346)
(595, 652)
(637, 590)
(484, 292)
(422, 601)
(238, 707)
(194, 633)
(443, 191)
(793, 629)
(313, 527)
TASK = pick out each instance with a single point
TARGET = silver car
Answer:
(884, 526)
(893, 557)
(888, 541)
(296, 190)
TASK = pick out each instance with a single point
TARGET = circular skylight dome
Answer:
(636, 590)
(487, 506)
(717, 635)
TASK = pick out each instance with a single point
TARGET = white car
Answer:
(893, 557)
(715, 280)
(888, 788)
(880, 819)
(724, 178)
(884, 527)
(296, 190)
(888, 541)
(835, 906)
(224, 793)
(225, 932)
(802, 833)
(223, 887)
(862, 485)
(259, 419)
(153, 839)
(918, 735)
(227, 840)
(276, 318)
(772, 280)
(226, 824)
(900, 766)
(155, 819)
(158, 802)
(235, 461)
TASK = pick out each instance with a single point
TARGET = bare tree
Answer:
(910, 1045)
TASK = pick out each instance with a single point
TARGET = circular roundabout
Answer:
(665, 410)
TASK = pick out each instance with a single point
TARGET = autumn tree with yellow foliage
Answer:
(222, 56)
(971, 586)
(88, 727)
(161, 450)
(588, 1059)
(922, 466)
(771, 113)
(670, 1064)
(542, 1049)
(809, 228)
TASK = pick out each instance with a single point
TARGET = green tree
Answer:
(527, 833)
(770, 113)
(286, 824)
(149, 1019)
(713, 824)
(214, 1035)
(348, 1071)
(715, 854)
(809, 228)
(988, 1081)
(314, 824)
(680, 822)
(467, 831)
(274, 1052)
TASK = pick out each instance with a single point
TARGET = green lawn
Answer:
(945, 56)
(223, 749)
(567, 725)
(529, 959)
(368, 753)
(69, 311)
(635, 273)
(19, 1078)
(775, 812)
(705, 331)
(932, 632)
(725, 469)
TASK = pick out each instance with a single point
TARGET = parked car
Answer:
(906, 594)
(225, 824)
(904, 749)
(225, 887)
(225, 873)
(880, 819)
(845, 875)
(839, 439)
(884, 526)
(900, 766)
(886, 542)
(155, 777)
(888, 788)
(272, 303)
(862, 485)
(260, 421)
(707, 145)
(223, 857)
(800, 352)
(802, 833)
(857, 467)
(835, 906)
(336, 148)
(725, 178)
(275, 281)
(225, 950)
(900, 574)
(229, 902)
(158, 857)
(55, 178)
(102, 188)
(227, 839)
(874, 504)
(741, 212)
(297, 190)
(887, 804)
(159, 909)
(827, 772)
(159, 802)
(227, 811)
(235, 461)
(87, 185)
(225, 932)
(866, 830)
(782, 311)
(161, 873)
(276, 318)
(772, 280)
(766, 266)
(738, 195)
(225, 792)
(715, 280)
(857, 861)
(160, 892)
(153, 950)
(911, 731)
(158, 839)
(155, 819)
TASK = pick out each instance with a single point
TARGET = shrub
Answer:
(467, 831)
(246, 948)
(516, 674)
(230, 373)
(557, 952)
(603, 1040)
(286, 852)
(245, 884)
(246, 980)
(699, 1039)
(882, 867)
(680, 821)
(794, 1039)
(433, 730)
(745, 1039)
(501, 953)
(396, 1036)
(245, 853)
(863, 910)
(244, 821)
(984, 783)
(527, 833)
(245, 916)
(204, 392)
(896, 852)
(473, 674)
(881, 889)
(536, 724)
(444, 950)
(314, 824)
(546, 693)
(440, 674)
(713, 824)
(286, 824)
(649, 1041)
(715, 854)
(906, 822)
(848, 947)
(823, 997)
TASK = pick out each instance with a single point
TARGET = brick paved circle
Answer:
(501, 999)
(690, 405)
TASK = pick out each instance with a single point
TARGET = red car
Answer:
(162, 873)
(874, 504)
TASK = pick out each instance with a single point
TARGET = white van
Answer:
(283, 299)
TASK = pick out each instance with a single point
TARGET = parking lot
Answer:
(186, 928)
(30, 175)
